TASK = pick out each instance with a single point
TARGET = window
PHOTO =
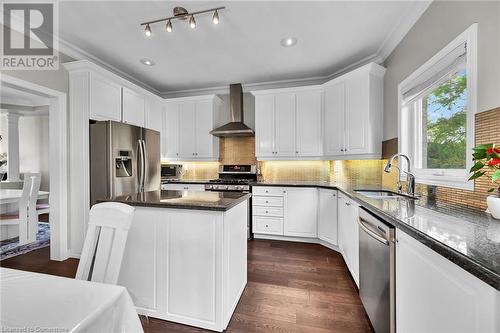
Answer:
(437, 106)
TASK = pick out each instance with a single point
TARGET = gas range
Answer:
(234, 178)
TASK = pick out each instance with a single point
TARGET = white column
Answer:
(13, 146)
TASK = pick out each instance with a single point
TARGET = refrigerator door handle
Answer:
(144, 159)
(140, 163)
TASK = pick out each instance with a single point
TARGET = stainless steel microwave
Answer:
(171, 171)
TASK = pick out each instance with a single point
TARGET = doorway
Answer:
(53, 104)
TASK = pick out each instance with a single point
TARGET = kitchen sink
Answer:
(378, 194)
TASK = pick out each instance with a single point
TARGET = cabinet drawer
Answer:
(267, 225)
(268, 191)
(268, 201)
(267, 211)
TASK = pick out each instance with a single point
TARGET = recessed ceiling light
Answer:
(147, 62)
(288, 41)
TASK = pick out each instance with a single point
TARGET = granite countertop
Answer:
(185, 181)
(468, 237)
(214, 201)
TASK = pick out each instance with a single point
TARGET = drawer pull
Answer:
(267, 226)
(267, 201)
(267, 191)
(267, 212)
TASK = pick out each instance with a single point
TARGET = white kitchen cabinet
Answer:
(153, 114)
(353, 113)
(334, 119)
(348, 234)
(435, 295)
(301, 208)
(105, 98)
(308, 123)
(265, 124)
(288, 123)
(183, 187)
(284, 106)
(187, 130)
(133, 107)
(187, 125)
(170, 131)
(327, 216)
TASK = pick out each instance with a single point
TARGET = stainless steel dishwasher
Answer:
(377, 271)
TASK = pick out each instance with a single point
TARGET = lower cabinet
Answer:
(301, 208)
(285, 211)
(327, 216)
(349, 234)
(435, 295)
(183, 187)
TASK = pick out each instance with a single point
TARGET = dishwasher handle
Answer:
(361, 223)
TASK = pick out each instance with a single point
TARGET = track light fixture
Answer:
(147, 31)
(192, 22)
(215, 18)
(181, 13)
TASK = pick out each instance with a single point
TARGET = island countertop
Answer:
(214, 201)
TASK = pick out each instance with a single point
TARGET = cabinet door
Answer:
(204, 124)
(132, 107)
(327, 219)
(105, 99)
(348, 236)
(153, 114)
(170, 131)
(187, 133)
(435, 295)
(357, 114)
(285, 125)
(301, 208)
(264, 129)
(309, 123)
(333, 128)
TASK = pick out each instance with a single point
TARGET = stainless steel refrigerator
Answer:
(124, 159)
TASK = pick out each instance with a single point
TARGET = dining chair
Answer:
(105, 241)
(25, 216)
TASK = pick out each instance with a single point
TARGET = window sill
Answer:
(444, 181)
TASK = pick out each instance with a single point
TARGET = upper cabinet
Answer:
(353, 114)
(105, 98)
(187, 124)
(133, 106)
(288, 123)
(341, 119)
(110, 97)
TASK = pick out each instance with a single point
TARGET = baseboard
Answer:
(298, 239)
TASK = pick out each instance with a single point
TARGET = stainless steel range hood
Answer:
(236, 127)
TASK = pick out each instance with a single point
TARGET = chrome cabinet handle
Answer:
(267, 226)
(347, 203)
(334, 195)
(267, 201)
(267, 212)
(296, 152)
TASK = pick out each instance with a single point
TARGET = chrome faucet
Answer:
(409, 176)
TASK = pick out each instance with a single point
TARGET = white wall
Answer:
(34, 147)
(440, 24)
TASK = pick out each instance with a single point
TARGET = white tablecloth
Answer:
(45, 303)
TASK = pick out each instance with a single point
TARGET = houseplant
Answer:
(487, 162)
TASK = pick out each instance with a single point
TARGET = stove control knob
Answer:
(226, 187)
(210, 187)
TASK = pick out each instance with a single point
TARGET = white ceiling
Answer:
(244, 47)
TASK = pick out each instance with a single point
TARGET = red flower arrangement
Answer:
(487, 157)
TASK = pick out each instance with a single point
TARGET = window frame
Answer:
(407, 143)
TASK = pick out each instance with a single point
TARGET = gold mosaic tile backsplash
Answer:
(294, 170)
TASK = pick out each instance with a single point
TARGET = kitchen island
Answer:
(186, 255)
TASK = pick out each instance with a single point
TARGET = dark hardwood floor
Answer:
(292, 287)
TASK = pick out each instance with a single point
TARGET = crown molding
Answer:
(77, 53)
(406, 22)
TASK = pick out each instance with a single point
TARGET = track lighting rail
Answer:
(183, 15)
